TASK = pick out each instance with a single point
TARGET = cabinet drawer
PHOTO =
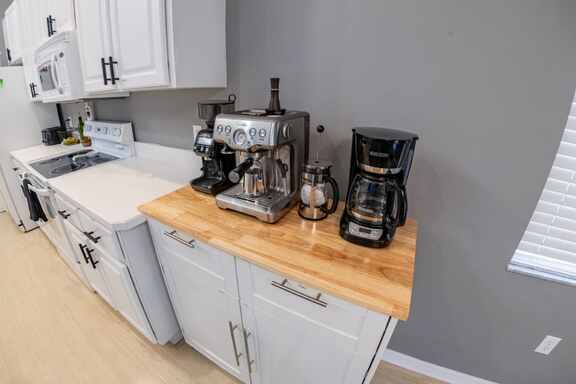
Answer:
(210, 260)
(68, 212)
(99, 236)
(260, 287)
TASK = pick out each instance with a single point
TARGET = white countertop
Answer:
(41, 152)
(112, 192)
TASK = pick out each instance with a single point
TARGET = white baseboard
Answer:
(431, 370)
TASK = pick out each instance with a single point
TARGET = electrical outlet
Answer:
(548, 344)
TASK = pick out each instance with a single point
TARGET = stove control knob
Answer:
(253, 132)
(286, 131)
(220, 129)
(262, 132)
(228, 129)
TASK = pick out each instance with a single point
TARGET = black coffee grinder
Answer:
(376, 203)
(217, 160)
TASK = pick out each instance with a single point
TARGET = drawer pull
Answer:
(315, 300)
(90, 236)
(174, 236)
(236, 354)
(250, 361)
(65, 215)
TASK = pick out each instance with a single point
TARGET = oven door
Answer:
(52, 228)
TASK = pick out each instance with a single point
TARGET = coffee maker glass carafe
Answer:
(319, 192)
(376, 203)
(379, 202)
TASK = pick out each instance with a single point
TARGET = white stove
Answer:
(110, 141)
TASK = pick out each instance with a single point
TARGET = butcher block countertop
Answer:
(312, 253)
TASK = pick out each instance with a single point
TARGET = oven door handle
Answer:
(45, 199)
(41, 192)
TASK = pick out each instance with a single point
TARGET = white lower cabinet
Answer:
(209, 315)
(89, 260)
(111, 280)
(123, 296)
(264, 328)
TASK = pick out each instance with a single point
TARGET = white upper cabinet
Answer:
(139, 43)
(95, 44)
(131, 45)
(45, 18)
(13, 33)
(60, 15)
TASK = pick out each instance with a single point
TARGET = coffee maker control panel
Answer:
(253, 133)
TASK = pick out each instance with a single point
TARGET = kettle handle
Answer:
(336, 195)
(402, 206)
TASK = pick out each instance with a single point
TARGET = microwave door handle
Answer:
(54, 72)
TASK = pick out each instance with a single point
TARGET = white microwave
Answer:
(59, 70)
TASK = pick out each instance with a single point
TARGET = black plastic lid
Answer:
(385, 134)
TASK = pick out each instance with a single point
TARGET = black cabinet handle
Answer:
(65, 215)
(111, 63)
(83, 250)
(50, 24)
(104, 74)
(33, 92)
(89, 254)
(90, 236)
(8, 54)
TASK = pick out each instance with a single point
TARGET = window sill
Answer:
(543, 268)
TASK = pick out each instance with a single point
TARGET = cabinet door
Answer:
(31, 75)
(62, 11)
(92, 269)
(95, 44)
(123, 294)
(139, 43)
(295, 337)
(209, 317)
(35, 27)
(13, 29)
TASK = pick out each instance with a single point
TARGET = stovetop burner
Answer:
(63, 165)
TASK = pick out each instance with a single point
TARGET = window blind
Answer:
(548, 247)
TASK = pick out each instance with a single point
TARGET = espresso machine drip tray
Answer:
(269, 207)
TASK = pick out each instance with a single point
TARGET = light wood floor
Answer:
(55, 330)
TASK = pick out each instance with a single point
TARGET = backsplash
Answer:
(160, 117)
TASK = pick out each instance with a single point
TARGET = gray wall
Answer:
(487, 85)
(3, 60)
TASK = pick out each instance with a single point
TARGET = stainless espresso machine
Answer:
(271, 148)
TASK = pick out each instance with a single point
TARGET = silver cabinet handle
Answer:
(250, 361)
(174, 236)
(316, 300)
(236, 354)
